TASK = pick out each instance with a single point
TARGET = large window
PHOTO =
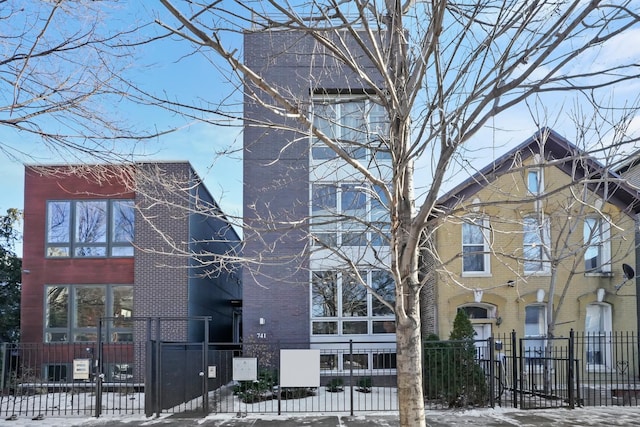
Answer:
(475, 246)
(597, 257)
(358, 125)
(348, 214)
(90, 228)
(535, 245)
(72, 312)
(342, 305)
(598, 336)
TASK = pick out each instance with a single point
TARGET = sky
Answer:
(169, 66)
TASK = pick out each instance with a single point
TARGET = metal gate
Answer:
(545, 373)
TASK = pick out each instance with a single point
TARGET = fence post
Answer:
(4, 367)
(205, 367)
(351, 374)
(98, 370)
(149, 399)
(514, 368)
(570, 374)
(492, 373)
(157, 405)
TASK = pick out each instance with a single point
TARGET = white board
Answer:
(245, 369)
(300, 368)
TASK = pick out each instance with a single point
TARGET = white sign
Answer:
(212, 372)
(81, 369)
(245, 369)
(300, 368)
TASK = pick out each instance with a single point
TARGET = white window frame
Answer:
(535, 341)
(538, 180)
(598, 329)
(602, 234)
(483, 223)
(330, 227)
(371, 318)
(544, 235)
(340, 103)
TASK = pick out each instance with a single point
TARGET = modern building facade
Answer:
(314, 227)
(125, 242)
(542, 228)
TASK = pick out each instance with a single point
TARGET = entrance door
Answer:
(483, 332)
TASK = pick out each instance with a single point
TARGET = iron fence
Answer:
(65, 379)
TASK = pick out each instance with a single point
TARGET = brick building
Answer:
(125, 241)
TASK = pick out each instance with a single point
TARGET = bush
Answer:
(452, 373)
(335, 385)
(257, 391)
(364, 385)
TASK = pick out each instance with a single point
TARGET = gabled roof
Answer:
(564, 155)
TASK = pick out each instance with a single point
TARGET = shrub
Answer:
(452, 373)
(335, 385)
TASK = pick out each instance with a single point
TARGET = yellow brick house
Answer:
(540, 242)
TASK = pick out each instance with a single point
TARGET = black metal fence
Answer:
(50, 379)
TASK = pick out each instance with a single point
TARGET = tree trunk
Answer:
(409, 371)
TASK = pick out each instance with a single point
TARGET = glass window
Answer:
(90, 228)
(383, 285)
(328, 362)
(355, 361)
(475, 250)
(357, 124)
(350, 300)
(354, 296)
(535, 329)
(324, 294)
(72, 312)
(384, 361)
(596, 239)
(535, 236)
(534, 181)
(598, 332)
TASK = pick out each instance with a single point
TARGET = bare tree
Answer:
(62, 70)
(439, 71)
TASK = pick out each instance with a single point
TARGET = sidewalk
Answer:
(592, 416)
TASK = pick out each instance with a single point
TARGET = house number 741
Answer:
(262, 335)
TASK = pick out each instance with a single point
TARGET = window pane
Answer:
(384, 361)
(355, 361)
(57, 310)
(122, 310)
(122, 251)
(354, 200)
(354, 328)
(534, 324)
(89, 306)
(384, 327)
(472, 234)
(325, 328)
(324, 294)
(58, 222)
(91, 222)
(57, 251)
(473, 258)
(90, 251)
(593, 238)
(354, 296)
(324, 199)
(328, 361)
(353, 124)
(123, 221)
(383, 285)
(533, 181)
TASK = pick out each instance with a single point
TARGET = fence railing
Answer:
(526, 372)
